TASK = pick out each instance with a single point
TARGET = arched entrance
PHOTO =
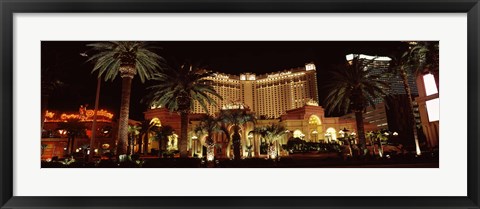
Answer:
(331, 135)
(315, 129)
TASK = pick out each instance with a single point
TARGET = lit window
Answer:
(433, 109)
(430, 86)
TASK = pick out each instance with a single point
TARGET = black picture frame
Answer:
(10, 7)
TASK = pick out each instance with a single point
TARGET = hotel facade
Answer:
(267, 95)
(288, 98)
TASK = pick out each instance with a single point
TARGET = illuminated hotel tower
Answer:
(269, 95)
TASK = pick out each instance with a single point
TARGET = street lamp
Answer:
(395, 133)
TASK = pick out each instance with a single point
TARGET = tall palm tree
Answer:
(162, 133)
(127, 58)
(353, 88)
(271, 133)
(208, 126)
(236, 118)
(177, 89)
(73, 128)
(415, 61)
(424, 57)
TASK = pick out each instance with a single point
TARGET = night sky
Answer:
(231, 57)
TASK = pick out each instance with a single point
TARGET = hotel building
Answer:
(56, 141)
(288, 98)
(267, 95)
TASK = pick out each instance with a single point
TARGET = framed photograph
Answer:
(238, 104)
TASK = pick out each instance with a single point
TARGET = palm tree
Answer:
(177, 89)
(416, 61)
(377, 137)
(236, 118)
(127, 58)
(271, 133)
(353, 88)
(162, 133)
(133, 133)
(145, 130)
(72, 128)
(49, 84)
(208, 126)
(424, 58)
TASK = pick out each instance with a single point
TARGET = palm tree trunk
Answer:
(129, 147)
(140, 144)
(361, 130)
(183, 144)
(123, 119)
(410, 105)
(145, 143)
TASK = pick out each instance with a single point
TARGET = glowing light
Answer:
(312, 102)
(77, 150)
(430, 85)
(222, 76)
(279, 74)
(89, 115)
(210, 152)
(272, 152)
(433, 109)
(105, 146)
(310, 66)
(314, 120)
(49, 114)
(395, 133)
(96, 150)
(367, 57)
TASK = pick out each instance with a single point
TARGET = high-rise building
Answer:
(267, 95)
(378, 65)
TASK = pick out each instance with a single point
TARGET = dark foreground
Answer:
(411, 161)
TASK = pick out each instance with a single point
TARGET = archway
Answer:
(229, 149)
(331, 134)
(156, 122)
(298, 134)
